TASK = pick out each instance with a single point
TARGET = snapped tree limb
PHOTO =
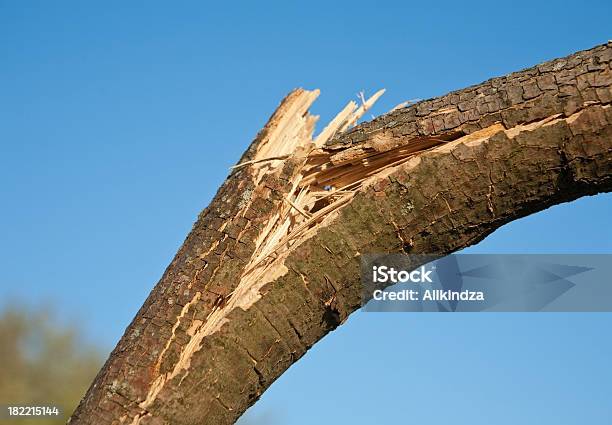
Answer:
(272, 265)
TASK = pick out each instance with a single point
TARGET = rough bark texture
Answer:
(228, 316)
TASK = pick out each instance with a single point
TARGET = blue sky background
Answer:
(119, 121)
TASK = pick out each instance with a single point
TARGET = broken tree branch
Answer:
(259, 280)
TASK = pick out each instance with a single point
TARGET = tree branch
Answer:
(272, 265)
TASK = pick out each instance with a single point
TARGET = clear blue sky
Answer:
(118, 122)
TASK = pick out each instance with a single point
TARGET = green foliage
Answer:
(43, 363)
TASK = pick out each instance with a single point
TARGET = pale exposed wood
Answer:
(336, 124)
(297, 208)
(352, 120)
(404, 104)
(258, 161)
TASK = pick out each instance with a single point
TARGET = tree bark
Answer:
(272, 265)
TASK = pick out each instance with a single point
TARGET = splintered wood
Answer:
(326, 177)
(321, 180)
